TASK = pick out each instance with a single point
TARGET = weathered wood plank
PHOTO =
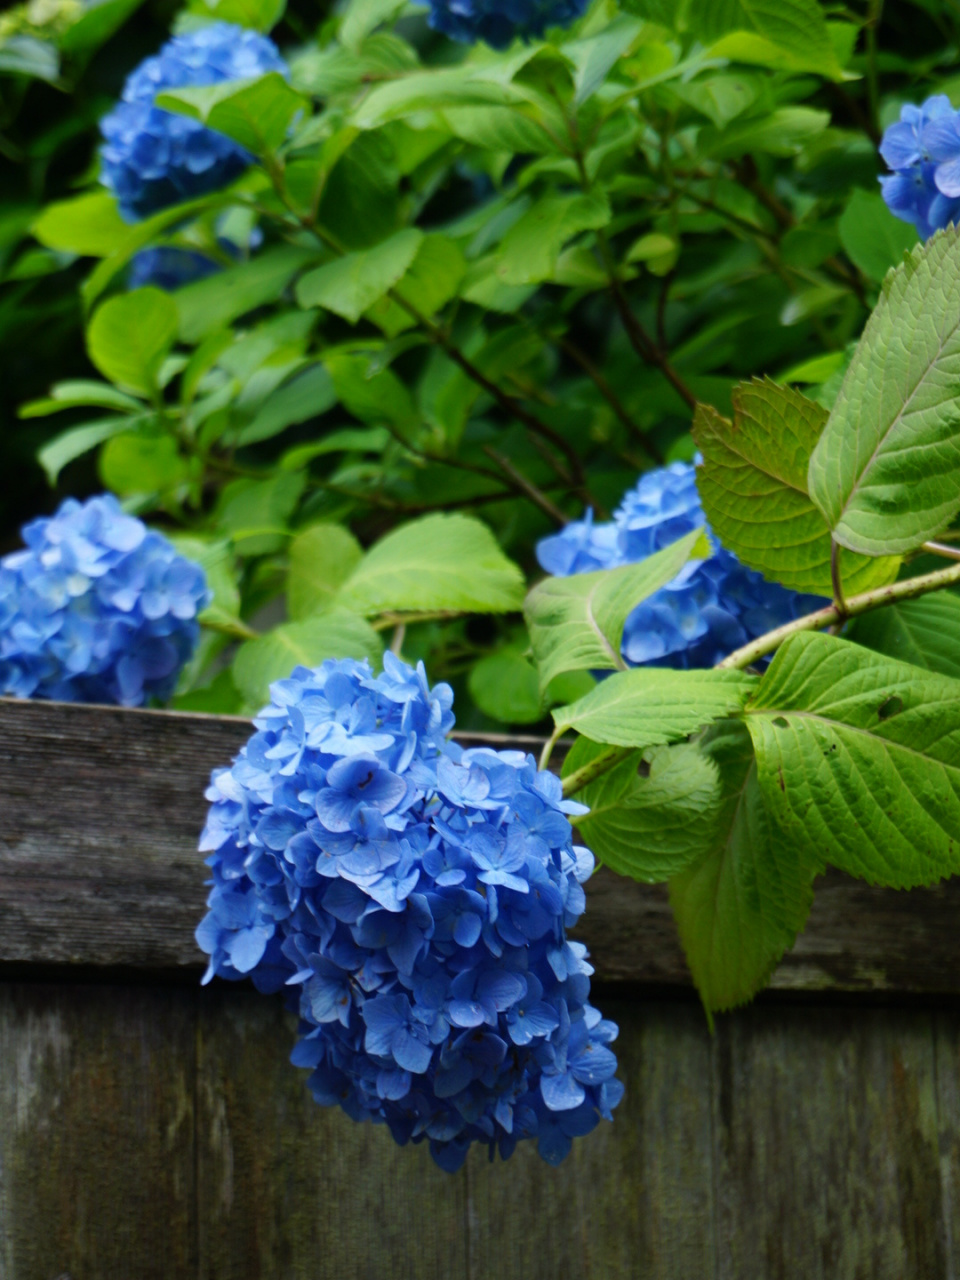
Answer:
(97, 1133)
(100, 809)
(289, 1189)
(827, 1156)
(634, 1198)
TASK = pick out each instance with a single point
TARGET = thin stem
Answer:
(837, 580)
(548, 746)
(941, 549)
(399, 619)
(596, 768)
(909, 589)
(396, 644)
(537, 496)
(233, 627)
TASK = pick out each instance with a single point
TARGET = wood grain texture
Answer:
(97, 1142)
(150, 1132)
(100, 810)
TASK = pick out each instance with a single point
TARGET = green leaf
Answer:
(256, 113)
(347, 440)
(130, 335)
(321, 560)
(529, 250)
(741, 906)
(499, 129)
(364, 16)
(138, 464)
(859, 760)
(350, 285)
(71, 395)
(873, 238)
(261, 15)
(651, 706)
(886, 472)
(784, 131)
(77, 441)
(753, 485)
(273, 657)
(209, 305)
(429, 91)
(307, 396)
(96, 23)
(923, 631)
(440, 562)
(256, 513)
(372, 394)
(652, 814)
(431, 280)
(217, 562)
(594, 57)
(27, 56)
(576, 623)
(504, 686)
(88, 225)
(796, 29)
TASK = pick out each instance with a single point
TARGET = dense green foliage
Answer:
(491, 289)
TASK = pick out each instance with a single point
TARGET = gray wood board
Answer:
(101, 808)
(150, 1132)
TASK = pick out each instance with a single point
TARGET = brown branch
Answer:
(533, 493)
(611, 397)
(645, 347)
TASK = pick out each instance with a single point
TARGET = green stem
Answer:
(909, 589)
(597, 767)
(548, 746)
(234, 627)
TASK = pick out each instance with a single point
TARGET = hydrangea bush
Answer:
(96, 608)
(416, 897)
(477, 291)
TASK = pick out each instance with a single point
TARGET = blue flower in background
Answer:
(414, 897)
(923, 150)
(500, 22)
(709, 609)
(96, 608)
(152, 158)
(168, 267)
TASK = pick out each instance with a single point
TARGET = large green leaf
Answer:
(859, 760)
(77, 441)
(321, 560)
(350, 285)
(795, 28)
(504, 686)
(925, 632)
(576, 623)
(273, 657)
(649, 817)
(256, 113)
(740, 907)
(130, 335)
(650, 706)
(441, 562)
(372, 394)
(307, 396)
(753, 484)
(431, 280)
(430, 91)
(89, 225)
(886, 472)
(529, 250)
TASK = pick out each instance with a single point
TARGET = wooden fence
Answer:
(149, 1128)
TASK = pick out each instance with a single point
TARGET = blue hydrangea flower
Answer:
(709, 609)
(168, 267)
(151, 158)
(96, 608)
(923, 150)
(414, 897)
(500, 22)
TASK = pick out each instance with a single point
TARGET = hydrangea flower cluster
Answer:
(923, 150)
(415, 897)
(709, 609)
(499, 22)
(152, 158)
(96, 608)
